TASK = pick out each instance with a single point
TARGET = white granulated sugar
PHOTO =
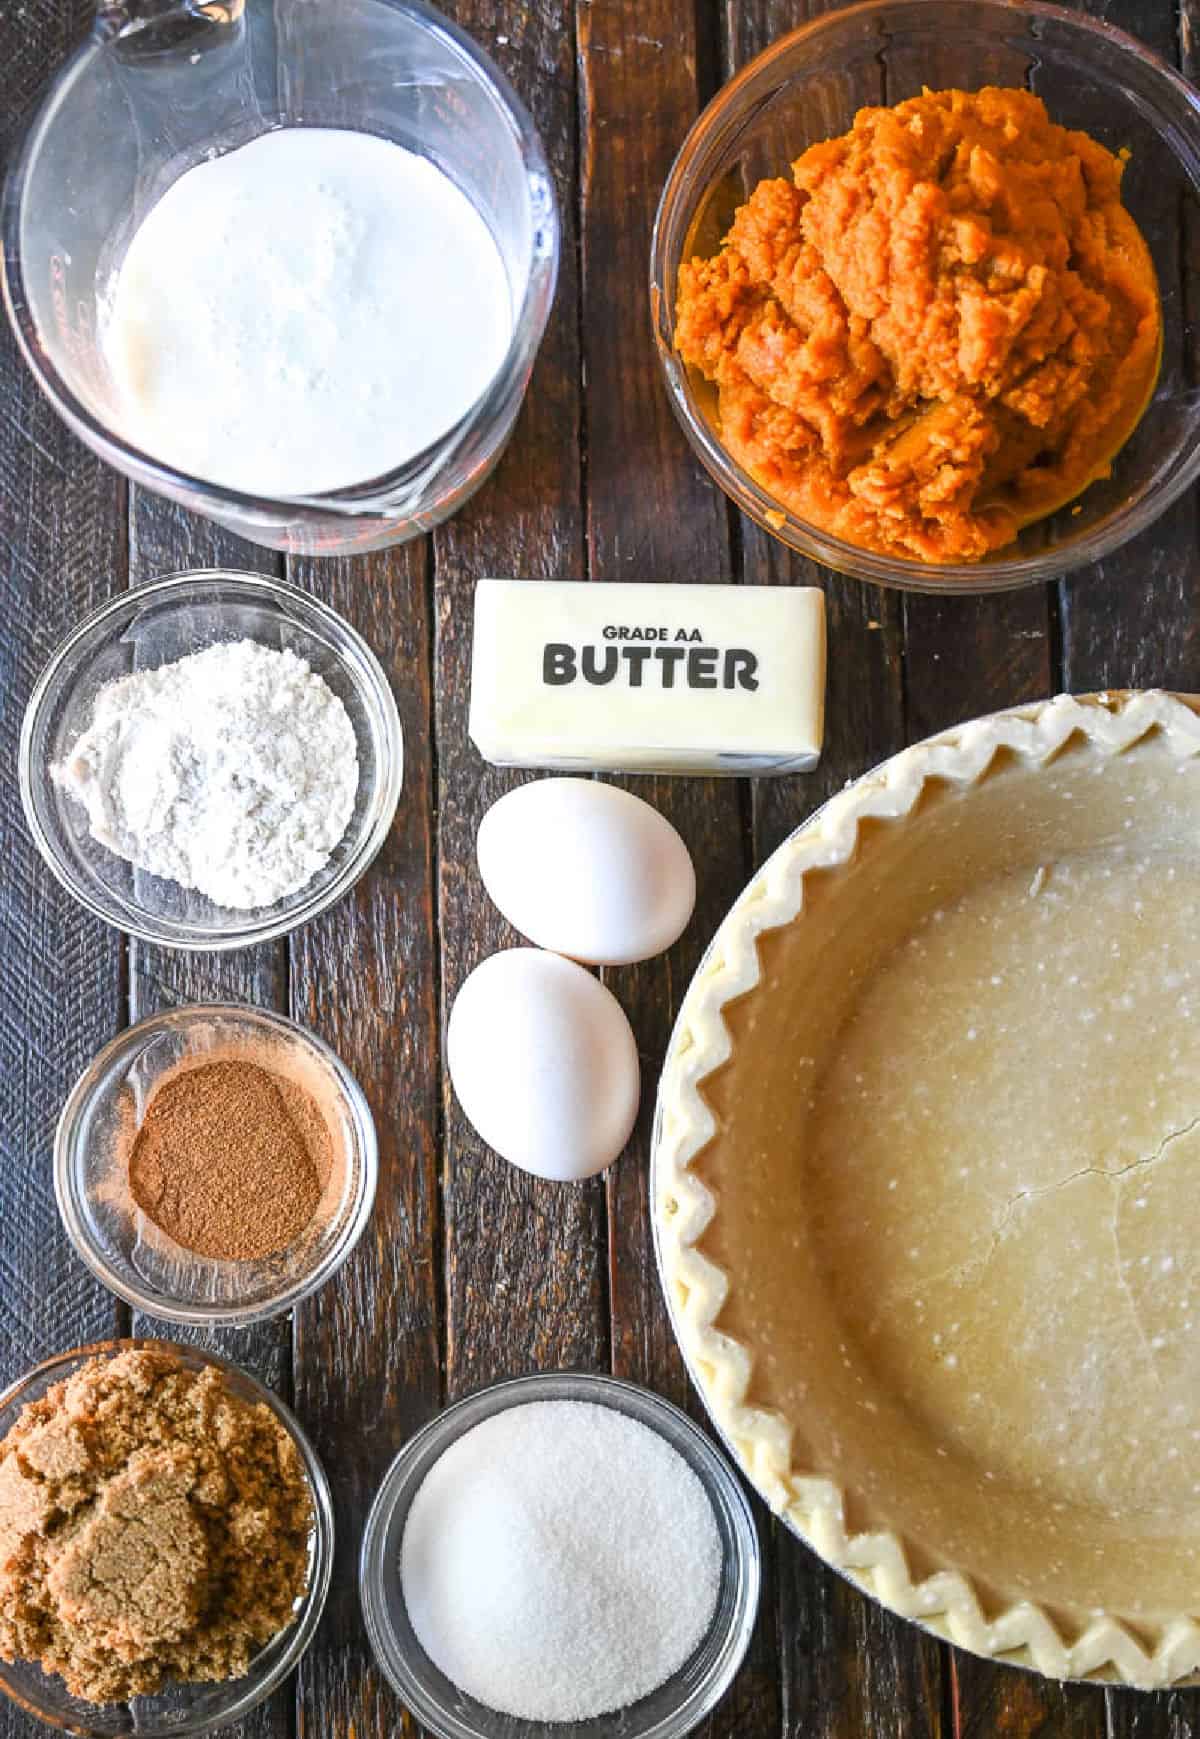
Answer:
(560, 1561)
(232, 771)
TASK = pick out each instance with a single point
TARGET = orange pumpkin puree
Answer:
(943, 327)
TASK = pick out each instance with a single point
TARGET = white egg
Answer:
(587, 869)
(544, 1063)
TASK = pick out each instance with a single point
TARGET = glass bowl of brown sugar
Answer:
(215, 1164)
(180, 1706)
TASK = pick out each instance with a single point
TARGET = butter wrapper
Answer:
(648, 678)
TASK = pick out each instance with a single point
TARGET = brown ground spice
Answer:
(153, 1527)
(230, 1160)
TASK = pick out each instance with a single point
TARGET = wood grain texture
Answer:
(1146, 601)
(852, 1670)
(1151, 609)
(1132, 620)
(524, 1259)
(62, 552)
(997, 1702)
(1010, 647)
(864, 692)
(847, 1667)
(366, 1365)
(165, 538)
(1164, 1715)
(638, 97)
(640, 91)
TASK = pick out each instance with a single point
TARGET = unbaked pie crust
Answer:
(927, 1184)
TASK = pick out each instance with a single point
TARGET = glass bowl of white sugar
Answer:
(563, 1556)
(211, 760)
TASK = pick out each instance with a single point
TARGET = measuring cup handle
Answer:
(162, 24)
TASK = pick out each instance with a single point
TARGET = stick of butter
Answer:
(648, 678)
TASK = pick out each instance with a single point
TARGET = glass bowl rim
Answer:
(371, 495)
(324, 1530)
(648, 1408)
(66, 1149)
(678, 203)
(388, 745)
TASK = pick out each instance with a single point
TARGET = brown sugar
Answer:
(230, 1159)
(942, 327)
(153, 1527)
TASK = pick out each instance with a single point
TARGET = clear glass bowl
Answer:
(182, 1709)
(132, 1257)
(667, 1713)
(162, 84)
(153, 625)
(807, 87)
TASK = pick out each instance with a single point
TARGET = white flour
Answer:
(232, 771)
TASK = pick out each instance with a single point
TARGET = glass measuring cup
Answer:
(159, 86)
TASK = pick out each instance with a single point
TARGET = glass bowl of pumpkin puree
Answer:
(920, 291)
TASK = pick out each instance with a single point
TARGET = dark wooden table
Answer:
(470, 1271)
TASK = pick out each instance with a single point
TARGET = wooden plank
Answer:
(854, 1670)
(1132, 620)
(62, 552)
(638, 71)
(849, 1667)
(967, 656)
(640, 96)
(524, 1259)
(366, 1365)
(864, 693)
(1158, 1715)
(165, 538)
(996, 1702)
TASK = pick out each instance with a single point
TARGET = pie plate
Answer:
(926, 1166)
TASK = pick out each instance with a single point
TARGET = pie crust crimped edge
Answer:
(696, 1287)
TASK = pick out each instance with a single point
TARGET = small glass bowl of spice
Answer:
(215, 1164)
(176, 1469)
(560, 1553)
(211, 760)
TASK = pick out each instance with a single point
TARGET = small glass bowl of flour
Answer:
(211, 760)
(579, 1556)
